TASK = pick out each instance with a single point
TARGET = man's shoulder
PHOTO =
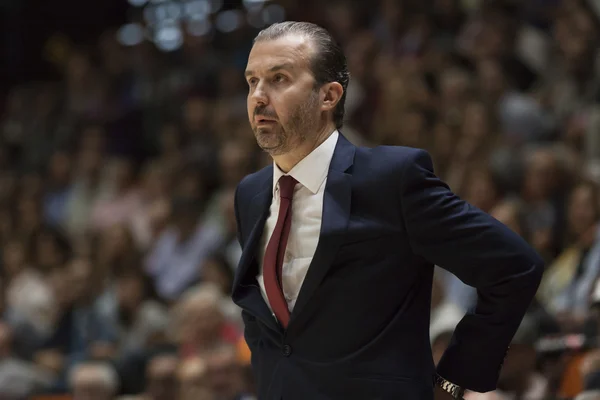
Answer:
(251, 184)
(391, 157)
(394, 150)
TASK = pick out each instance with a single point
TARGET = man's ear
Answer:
(333, 93)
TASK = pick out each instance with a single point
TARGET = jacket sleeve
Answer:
(483, 253)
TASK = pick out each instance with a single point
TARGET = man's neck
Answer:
(287, 161)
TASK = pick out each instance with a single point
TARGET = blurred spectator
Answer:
(162, 378)
(193, 380)
(58, 188)
(19, 378)
(94, 381)
(538, 188)
(569, 280)
(589, 395)
(83, 331)
(151, 217)
(173, 261)
(219, 272)
(30, 306)
(200, 322)
(123, 198)
(87, 188)
(141, 319)
(224, 375)
(51, 250)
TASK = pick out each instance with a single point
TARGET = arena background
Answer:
(123, 134)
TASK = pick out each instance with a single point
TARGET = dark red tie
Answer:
(273, 260)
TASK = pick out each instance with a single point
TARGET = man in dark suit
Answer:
(340, 242)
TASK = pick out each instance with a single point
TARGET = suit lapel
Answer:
(246, 292)
(336, 214)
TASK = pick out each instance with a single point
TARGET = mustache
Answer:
(262, 110)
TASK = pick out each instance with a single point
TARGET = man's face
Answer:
(283, 104)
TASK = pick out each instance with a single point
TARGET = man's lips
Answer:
(264, 120)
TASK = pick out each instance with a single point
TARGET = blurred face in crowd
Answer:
(582, 209)
(93, 138)
(123, 174)
(454, 85)
(5, 340)
(341, 19)
(91, 391)
(490, 78)
(31, 185)
(170, 139)
(283, 103)
(230, 83)
(193, 384)
(156, 182)
(130, 291)
(30, 215)
(162, 378)
(2, 295)
(8, 184)
(203, 321)
(443, 141)
(48, 252)
(116, 242)
(412, 128)
(59, 282)
(224, 374)
(235, 162)
(191, 184)
(214, 271)
(195, 113)
(78, 68)
(481, 191)
(540, 175)
(228, 209)
(507, 213)
(475, 124)
(360, 50)
(392, 12)
(89, 162)
(90, 383)
(60, 168)
(13, 257)
(80, 275)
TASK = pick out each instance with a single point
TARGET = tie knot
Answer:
(286, 186)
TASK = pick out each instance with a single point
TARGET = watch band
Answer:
(454, 390)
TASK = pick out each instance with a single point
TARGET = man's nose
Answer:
(259, 96)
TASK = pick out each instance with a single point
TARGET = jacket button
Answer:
(287, 350)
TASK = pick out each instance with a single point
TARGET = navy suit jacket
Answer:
(360, 326)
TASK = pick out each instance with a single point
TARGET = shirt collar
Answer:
(311, 171)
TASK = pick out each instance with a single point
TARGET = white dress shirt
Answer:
(307, 213)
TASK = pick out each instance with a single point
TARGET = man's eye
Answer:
(278, 78)
(252, 81)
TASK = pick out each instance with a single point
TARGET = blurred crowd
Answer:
(117, 181)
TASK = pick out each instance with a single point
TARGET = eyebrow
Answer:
(272, 69)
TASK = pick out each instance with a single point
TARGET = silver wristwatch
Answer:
(454, 390)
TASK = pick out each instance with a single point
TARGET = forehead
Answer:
(292, 51)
